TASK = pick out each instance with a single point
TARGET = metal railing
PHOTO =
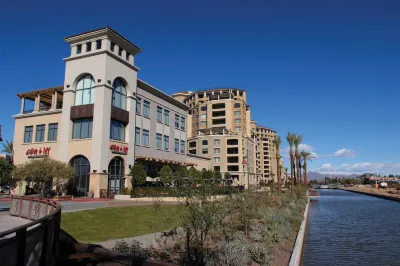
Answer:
(34, 243)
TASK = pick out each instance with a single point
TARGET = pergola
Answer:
(45, 99)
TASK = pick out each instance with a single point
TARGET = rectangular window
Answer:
(204, 151)
(217, 150)
(138, 105)
(28, 134)
(166, 143)
(145, 137)
(203, 116)
(237, 129)
(88, 47)
(120, 51)
(177, 121)
(53, 131)
(203, 123)
(203, 108)
(98, 44)
(128, 55)
(159, 114)
(40, 133)
(146, 108)
(217, 159)
(237, 121)
(217, 168)
(216, 142)
(82, 128)
(137, 136)
(117, 130)
(237, 113)
(166, 117)
(176, 146)
(159, 141)
(112, 46)
(183, 123)
(79, 49)
(182, 146)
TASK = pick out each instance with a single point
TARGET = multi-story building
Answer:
(266, 156)
(219, 127)
(103, 119)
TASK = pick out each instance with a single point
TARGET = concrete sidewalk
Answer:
(145, 240)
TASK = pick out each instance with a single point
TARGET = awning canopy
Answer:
(163, 161)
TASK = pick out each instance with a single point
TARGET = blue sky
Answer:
(326, 69)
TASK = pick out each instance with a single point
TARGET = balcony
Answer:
(218, 114)
(218, 122)
(41, 101)
(218, 106)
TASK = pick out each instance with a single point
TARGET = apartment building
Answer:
(219, 128)
(103, 119)
(266, 153)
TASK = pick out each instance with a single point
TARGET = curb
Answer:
(295, 258)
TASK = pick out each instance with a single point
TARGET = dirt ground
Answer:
(283, 251)
(392, 192)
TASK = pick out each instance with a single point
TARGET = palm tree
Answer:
(297, 141)
(306, 156)
(277, 142)
(286, 173)
(8, 147)
(290, 139)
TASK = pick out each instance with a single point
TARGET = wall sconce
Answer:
(109, 82)
(104, 171)
(130, 166)
(67, 86)
(99, 80)
(94, 171)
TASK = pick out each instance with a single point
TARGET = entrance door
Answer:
(116, 179)
(82, 171)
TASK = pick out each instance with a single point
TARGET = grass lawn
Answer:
(113, 223)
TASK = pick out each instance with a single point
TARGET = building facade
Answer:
(103, 119)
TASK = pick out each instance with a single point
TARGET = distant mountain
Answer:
(318, 176)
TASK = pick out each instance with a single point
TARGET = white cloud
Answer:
(360, 168)
(305, 147)
(345, 153)
(302, 147)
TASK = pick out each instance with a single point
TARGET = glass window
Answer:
(203, 123)
(81, 166)
(217, 159)
(183, 123)
(120, 51)
(217, 150)
(127, 56)
(28, 134)
(119, 94)
(203, 108)
(203, 116)
(137, 136)
(145, 137)
(176, 121)
(237, 120)
(53, 131)
(85, 93)
(176, 146)
(205, 150)
(182, 146)
(236, 105)
(88, 47)
(204, 142)
(217, 168)
(159, 141)
(79, 49)
(98, 44)
(138, 105)
(216, 142)
(166, 143)
(40, 133)
(166, 117)
(237, 113)
(159, 114)
(82, 128)
(112, 46)
(117, 130)
(116, 179)
(146, 108)
(237, 129)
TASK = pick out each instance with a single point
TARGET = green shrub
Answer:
(261, 255)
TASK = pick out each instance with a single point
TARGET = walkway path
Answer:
(145, 240)
(8, 222)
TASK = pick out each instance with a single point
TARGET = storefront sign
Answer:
(38, 153)
(119, 149)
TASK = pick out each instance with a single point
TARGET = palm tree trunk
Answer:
(291, 174)
(298, 168)
(305, 173)
(278, 173)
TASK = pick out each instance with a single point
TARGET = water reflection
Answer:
(346, 228)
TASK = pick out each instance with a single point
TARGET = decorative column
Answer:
(37, 103)
(22, 105)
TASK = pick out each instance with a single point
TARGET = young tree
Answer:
(195, 175)
(217, 175)
(227, 175)
(181, 172)
(138, 175)
(6, 169)
(166, 174)
(44, 174)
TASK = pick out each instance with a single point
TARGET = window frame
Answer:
(176, 121)
(183, 147)
(98, 44)
(112, 46)
(40, 132)
(81, 92)
(137, 135)
(159, 114)
(145, 137)
(88, 47)
(176, 145)
(30, 132)
(79, 49)
(89, 125)
(159, 138)
(183, 123)
(146, 108)
(138, 104)
(166, 141)
(117, 128)
(166, 117)
(119, 92)
(52, 132)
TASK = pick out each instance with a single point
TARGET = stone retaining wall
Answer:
(295, 259)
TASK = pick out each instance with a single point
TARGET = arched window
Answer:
(85, 90)
(119, 94)
(116, 177)
(82, 171)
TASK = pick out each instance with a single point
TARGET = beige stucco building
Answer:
(103, 119)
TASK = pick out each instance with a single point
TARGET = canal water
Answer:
(347, 228)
